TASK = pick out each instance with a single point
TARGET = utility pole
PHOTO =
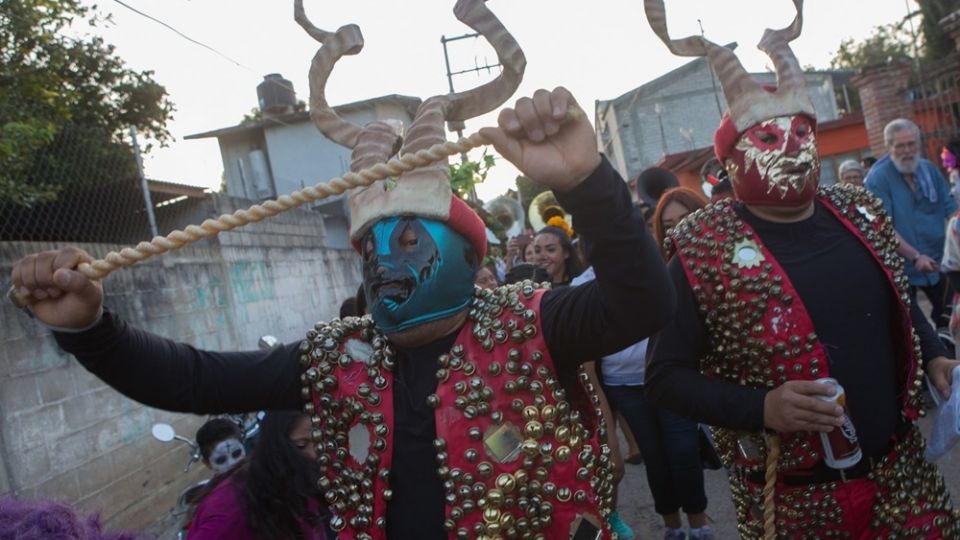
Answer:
(658, 108)
(458, 125)
(713, 81)
(913, 34)
(147, 201)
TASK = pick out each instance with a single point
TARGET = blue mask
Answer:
(415, 270)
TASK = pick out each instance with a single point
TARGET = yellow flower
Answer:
(560, 223)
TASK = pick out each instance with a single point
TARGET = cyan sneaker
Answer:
(617, 525)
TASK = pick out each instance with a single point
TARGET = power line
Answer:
(188, 38)
(179, 33)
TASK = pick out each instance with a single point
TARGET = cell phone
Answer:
(523, 239)
(584, 529)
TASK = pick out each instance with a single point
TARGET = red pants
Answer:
(856, 500)
(903, 498)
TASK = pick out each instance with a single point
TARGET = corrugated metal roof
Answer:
(411, 103)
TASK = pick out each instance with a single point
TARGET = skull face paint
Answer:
(225, 455)
(415, 270)
(775, 163)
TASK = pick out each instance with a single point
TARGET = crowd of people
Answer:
(457, 399)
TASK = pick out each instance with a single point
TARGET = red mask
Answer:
(775, 162)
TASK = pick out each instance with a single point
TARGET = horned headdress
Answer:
(749, 101)
(426, 191)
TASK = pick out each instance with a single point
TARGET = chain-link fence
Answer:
(89, 190)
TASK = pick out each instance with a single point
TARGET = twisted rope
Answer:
(129, 256)
(770, 477)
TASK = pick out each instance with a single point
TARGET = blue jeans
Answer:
(670, 446)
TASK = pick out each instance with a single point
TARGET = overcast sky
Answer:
(598, 49)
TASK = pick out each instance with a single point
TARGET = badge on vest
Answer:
(747, 254)
(866, 213)
(585, 527)
(503, 443)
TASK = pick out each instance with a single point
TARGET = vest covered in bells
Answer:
(515, 458)
(760, 332)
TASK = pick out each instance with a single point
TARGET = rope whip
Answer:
(769, 488)
(177, 239)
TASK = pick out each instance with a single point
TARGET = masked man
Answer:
(451, 412)
(784, 286)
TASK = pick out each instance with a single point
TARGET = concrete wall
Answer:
(65, 435)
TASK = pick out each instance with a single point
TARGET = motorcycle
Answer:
(165, 434)
(249, 424)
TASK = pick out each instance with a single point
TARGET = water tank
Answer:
(276, 94)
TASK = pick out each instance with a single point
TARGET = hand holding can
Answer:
(841, 449)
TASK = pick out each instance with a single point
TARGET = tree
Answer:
(255, 116)
(894, 41)
(464, 177)
(528, 190)
(936, 43)
(887, 42)
(57, 90)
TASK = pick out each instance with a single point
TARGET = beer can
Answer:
(841, 449)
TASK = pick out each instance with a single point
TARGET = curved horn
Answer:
(345, 41)
(489, 96)
(428, 129)
(776, 43)
(734, 79)
(688, 46)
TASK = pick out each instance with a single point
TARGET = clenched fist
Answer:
(547, 137)
(63, 297)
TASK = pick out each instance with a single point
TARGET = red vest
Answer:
(761, 334)
(513, 455)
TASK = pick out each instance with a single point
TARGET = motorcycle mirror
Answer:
(267, 342)
(163, 432)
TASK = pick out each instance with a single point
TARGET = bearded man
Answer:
(917, 197)
(784, 286)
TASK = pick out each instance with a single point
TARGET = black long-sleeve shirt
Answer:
(631, 298)
(849, 299)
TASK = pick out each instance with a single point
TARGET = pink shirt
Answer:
(221, 516)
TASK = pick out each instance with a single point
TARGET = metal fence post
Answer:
(143, 184)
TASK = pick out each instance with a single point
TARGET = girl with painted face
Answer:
(554, 252)
(271, 496)
(220, 445)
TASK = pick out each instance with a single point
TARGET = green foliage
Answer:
(464, 177)
(894, 41)
(53, 88)
(19, 141)
(255, 116)
(936, 43)
(528, 190)
(887, 42)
